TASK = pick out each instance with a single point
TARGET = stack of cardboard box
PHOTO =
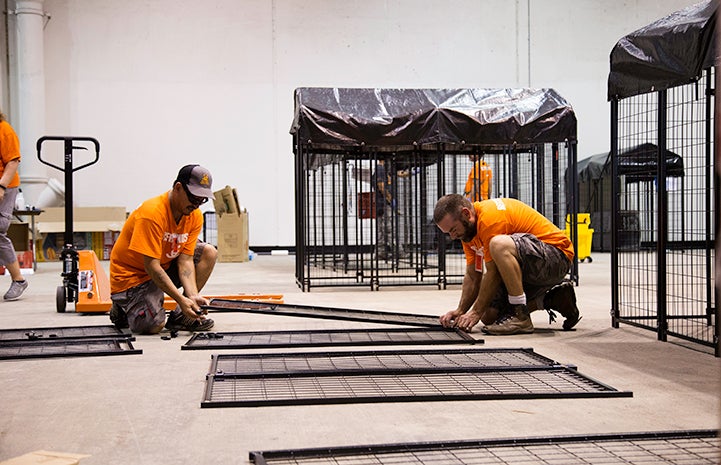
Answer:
(232, 223)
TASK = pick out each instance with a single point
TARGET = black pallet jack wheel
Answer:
(60, 299)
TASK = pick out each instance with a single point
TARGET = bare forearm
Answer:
(469, 290)
(162, 280)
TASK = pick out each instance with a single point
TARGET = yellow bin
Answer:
(585, 235)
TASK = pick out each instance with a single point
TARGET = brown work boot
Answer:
(562, 298)
(518, 320)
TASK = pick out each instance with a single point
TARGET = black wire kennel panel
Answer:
(663, 260)
(396, 362)
(82, 347)
(554, 382)
(350, 233)
(666, 447)
(63, 332)
(330, 313)
(319, 338)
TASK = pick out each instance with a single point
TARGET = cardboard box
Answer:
(94, 228)
(19, 234)
(46, 458)
(232, 223)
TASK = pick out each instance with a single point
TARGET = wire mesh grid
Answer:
(63, 332)
(316, 338)
(553, 382)
(331, 313)
(681, 447)
(665, 244)
(66, 348)
(377, 361)
(352, 234)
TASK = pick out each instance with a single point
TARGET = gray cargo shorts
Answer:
(143, 304)
(542, 267)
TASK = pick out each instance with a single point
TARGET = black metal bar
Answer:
(615, 203)
(662, 226)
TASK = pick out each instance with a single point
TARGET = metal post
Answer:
(662, 239)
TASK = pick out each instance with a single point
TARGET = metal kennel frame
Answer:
(397, 362)
(329, 337)
(63, 332)
(330, 313)
(78, 347)
(423, 138)
(665, 210)
(550, 383)
(663, 447)
(393, 376)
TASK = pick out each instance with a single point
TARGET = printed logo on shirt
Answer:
(479, 258)
(176, 242)
(499, 204)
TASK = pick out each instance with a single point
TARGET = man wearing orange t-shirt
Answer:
(9, 187)
(525, 257)
(478, 184)
(157, 253)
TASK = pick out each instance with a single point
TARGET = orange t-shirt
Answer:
(151, 231)
(9, 150)
(480, 177)
(510, 216)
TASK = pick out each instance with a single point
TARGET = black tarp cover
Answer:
(638, 163)
(337, 117)
(669, 52)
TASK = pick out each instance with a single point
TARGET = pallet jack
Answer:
(84, 280)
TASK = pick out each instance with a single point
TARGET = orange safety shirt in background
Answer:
(151, 231)
(510, 216)
(9, 150)
(480, 177)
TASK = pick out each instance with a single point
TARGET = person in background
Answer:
(386, 205)
(526, 259)
(9, 185)
(478, 185)
(157, 253)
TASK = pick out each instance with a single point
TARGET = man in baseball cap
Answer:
(158, 252)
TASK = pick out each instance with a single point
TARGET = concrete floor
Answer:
(145, 409)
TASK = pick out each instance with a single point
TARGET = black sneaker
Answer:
(178, 321)
(118, 317)
(562, 298)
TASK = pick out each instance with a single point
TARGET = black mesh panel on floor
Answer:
(81, 347)
(668, 447)
(64, 332)
(557, 382)
(318, 338)
(401, 361)
(308, 311)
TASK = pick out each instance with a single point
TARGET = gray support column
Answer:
(29, 116)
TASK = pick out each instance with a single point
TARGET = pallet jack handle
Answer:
(69, 169)
(69, 291)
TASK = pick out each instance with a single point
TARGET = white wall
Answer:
(162, 83)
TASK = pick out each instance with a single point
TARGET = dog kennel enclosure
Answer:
(420, 144)
(662, 92)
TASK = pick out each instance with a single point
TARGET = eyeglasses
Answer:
(195, 200)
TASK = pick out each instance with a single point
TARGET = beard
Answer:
(469, 230)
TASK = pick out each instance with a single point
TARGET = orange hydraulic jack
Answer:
(93, 294)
